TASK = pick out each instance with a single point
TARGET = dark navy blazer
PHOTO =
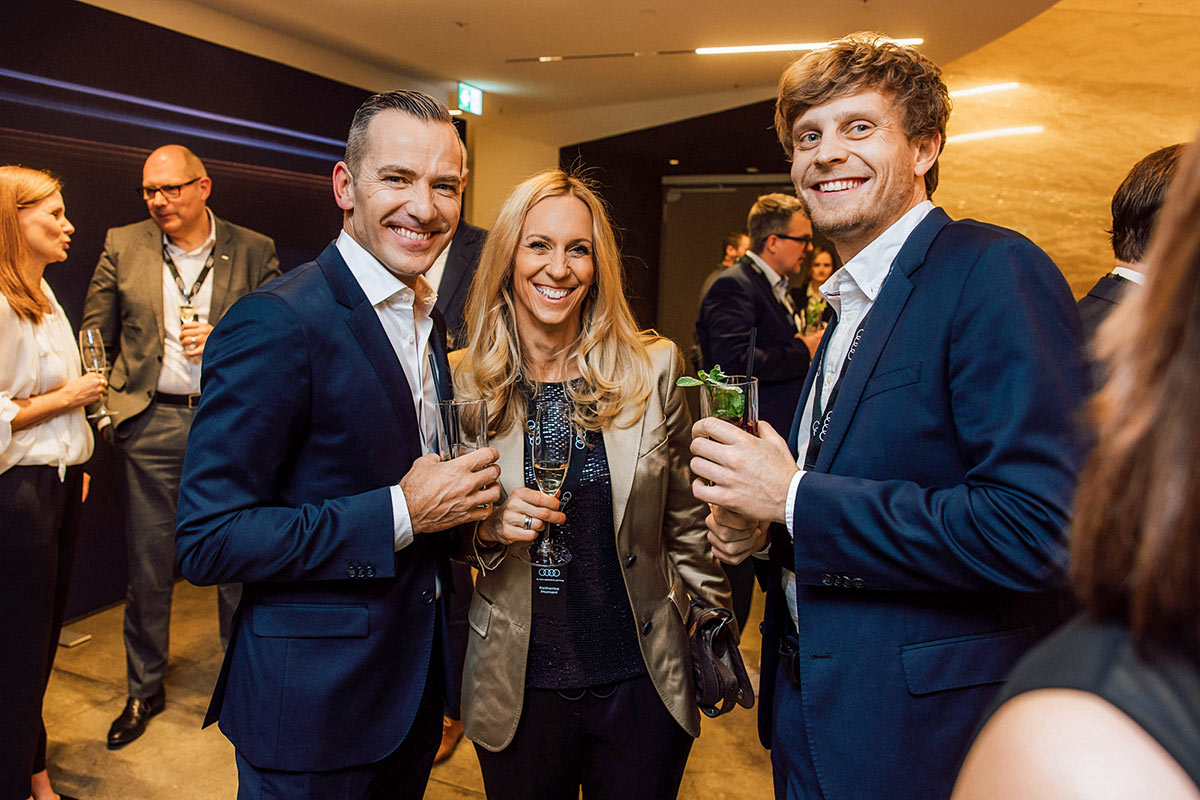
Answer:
(306, 419)
(929, 538)
(740, 299)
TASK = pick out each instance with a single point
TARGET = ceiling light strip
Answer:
(775, 48)
(995, 87)
(994, 133)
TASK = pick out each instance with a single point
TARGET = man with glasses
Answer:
(160, 286)
(753, 294)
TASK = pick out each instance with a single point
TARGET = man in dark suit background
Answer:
(753, 294)
(450, 276)
(1135, 208)
(310, 477)
(183, 262)
(916, 544)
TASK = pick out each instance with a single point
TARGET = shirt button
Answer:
(630, 559)
(646, 626)
(411, 339)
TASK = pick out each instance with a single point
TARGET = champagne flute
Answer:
(91, 350)
(553, 440)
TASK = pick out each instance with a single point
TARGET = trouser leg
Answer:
(152, 450)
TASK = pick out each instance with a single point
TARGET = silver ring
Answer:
(528, 522)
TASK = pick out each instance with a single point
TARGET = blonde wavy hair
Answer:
(610, 352)
(21, 187)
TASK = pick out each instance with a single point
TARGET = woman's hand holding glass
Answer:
(88, 388)
(523, 515)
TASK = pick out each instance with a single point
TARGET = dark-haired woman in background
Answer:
(595, 691)
(43, 438)
(1109, 707)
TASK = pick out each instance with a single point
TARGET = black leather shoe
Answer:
(132, 722)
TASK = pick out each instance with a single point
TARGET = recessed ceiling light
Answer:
(994, 133)
(674, 162)
(995, 87)
(455, 112)
(774, 48)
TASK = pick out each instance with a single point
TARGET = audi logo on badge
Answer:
(549, 572)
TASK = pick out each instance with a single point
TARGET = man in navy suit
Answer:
(753, 293)
(916, 544)
(309, 477)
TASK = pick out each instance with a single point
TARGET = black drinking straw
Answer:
(750, 352)
(437, 385)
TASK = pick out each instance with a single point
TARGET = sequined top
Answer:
(595, 642)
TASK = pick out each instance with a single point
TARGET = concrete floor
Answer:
(176, 759)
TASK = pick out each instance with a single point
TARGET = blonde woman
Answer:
(591, 686)
(43, 438)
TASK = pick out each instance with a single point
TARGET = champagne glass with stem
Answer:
(91, 350)
(553, 441)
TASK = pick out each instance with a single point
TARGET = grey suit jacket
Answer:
(125, 300)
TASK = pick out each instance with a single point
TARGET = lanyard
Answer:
(822, 415)
(170, 262)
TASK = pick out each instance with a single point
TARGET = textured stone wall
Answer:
(1110, 81)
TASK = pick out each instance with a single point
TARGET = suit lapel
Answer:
(621, 445)
(150, 276)
(222, 270)
(511, 446)
(364, 325)
(452, 276)
(438, 346)
(764, 286)
(883, 317)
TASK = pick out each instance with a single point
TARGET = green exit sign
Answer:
(470, 99)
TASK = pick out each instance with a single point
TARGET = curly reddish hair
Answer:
(861, 62)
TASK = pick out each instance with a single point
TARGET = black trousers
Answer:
(616, 741)
(39, 521)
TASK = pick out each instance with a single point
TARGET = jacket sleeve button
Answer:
(370, 571)
(827, 579)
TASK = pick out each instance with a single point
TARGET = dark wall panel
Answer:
(87, 94)
(630, 168)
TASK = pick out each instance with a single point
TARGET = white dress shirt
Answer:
(180, 374)
(852, 292)
(1130, 274)
(404, 314)
(34, 360)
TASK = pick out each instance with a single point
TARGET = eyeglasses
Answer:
(804, 240)
(169, 192)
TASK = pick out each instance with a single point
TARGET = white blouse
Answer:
(35, 359)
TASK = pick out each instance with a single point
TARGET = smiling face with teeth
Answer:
(404, 200)
(553, 269)
(855, 168)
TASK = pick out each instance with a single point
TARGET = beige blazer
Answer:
(125, 300)
(660, 534)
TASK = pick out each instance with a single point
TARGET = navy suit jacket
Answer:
(741, 299)
(305, 420)
(461, 263)
(929, 538)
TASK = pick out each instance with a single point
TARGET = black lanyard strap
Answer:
(170, 262)
(819, 425)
